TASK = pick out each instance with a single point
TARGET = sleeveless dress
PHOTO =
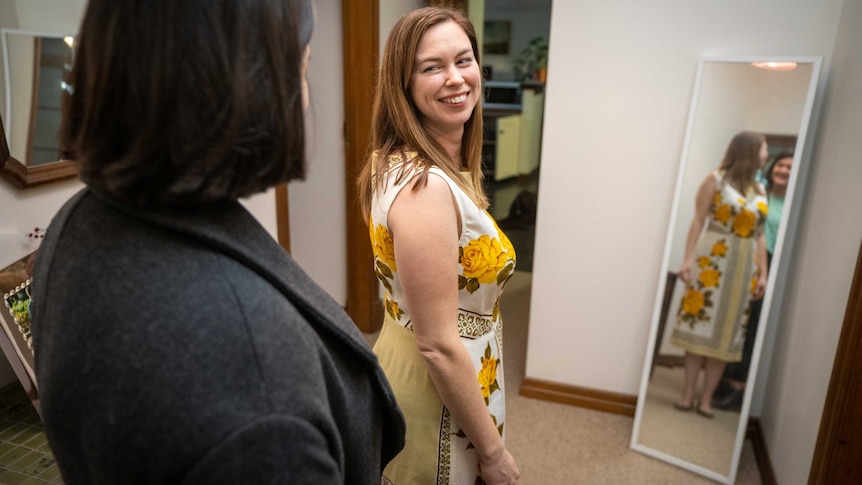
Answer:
(437, 451)
(713, 313)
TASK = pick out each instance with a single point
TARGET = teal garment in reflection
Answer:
(770, 228)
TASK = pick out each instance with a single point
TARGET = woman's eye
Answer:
(430, 68)
(466, 60)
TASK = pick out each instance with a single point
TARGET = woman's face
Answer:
(781, 171)
(763, 154)
(446, 81)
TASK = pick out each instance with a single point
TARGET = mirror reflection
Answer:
(34, 67)
(737, 170)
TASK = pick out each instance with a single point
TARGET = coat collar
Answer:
(229, 228)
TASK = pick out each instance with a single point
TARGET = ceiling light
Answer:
(775, 65)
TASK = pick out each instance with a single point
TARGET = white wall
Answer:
(826, 250)
(618, 95)
(318, 230)
(389, 14)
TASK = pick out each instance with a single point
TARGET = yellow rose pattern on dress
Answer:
(698, 295)
(381, 244)
(384, 262)
(692, 302)
(739, 222)
(744, 222)
(709, 278)
(488, 374)
(392, 309)
(488, 385)
(719, 249)
(723, 213)
(485, 260)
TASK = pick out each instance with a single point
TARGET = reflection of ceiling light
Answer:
(775, 66)
(69, 40)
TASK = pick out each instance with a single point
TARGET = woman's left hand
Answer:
(759, 289)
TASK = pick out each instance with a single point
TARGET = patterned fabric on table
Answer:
(713, 312)
(437, 450)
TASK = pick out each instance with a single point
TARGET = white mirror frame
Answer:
(776, 273)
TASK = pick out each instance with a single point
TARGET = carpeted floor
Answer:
(560, 444)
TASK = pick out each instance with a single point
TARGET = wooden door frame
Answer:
(361, 32)
(839, 446)
(360, 20)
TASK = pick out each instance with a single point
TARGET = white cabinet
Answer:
(513, 135)
(508, 147)
(530, 145)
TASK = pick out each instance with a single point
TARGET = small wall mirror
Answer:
(33, 74)
(772, 97)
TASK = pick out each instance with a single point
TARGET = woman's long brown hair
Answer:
(396, 123)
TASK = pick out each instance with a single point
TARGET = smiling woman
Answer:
(446, 83)
(439, 254)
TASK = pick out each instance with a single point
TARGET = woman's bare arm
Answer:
(705, 195)
(425, 232)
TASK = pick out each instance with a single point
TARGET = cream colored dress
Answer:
(713, 314)
(437, 450)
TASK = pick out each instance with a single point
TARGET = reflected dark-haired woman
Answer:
(730, 391)
(724, 268)
(175, 341)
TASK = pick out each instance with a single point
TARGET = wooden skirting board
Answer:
(761, 453)
(611, 402)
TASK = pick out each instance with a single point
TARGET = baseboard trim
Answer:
(754, 432)
(610, 402)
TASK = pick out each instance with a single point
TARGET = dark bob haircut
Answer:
(188, 102)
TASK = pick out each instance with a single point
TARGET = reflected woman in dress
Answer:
(732, 387)
(439, 254)
(724, 268)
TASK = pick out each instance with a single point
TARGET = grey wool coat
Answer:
(187, 347)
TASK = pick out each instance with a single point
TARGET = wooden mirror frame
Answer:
(18, 172)
(23, 176)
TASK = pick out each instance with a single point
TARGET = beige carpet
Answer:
(560, 444)
(687, 435)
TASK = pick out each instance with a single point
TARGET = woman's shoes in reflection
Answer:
(729, 401)
(705, 414)
(683, 407)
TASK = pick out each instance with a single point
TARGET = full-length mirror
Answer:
(735, 192)
(33, 73)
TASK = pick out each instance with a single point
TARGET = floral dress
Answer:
(437, 451)
(713, 314)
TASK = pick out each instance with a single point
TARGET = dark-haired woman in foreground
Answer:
(175, 341)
